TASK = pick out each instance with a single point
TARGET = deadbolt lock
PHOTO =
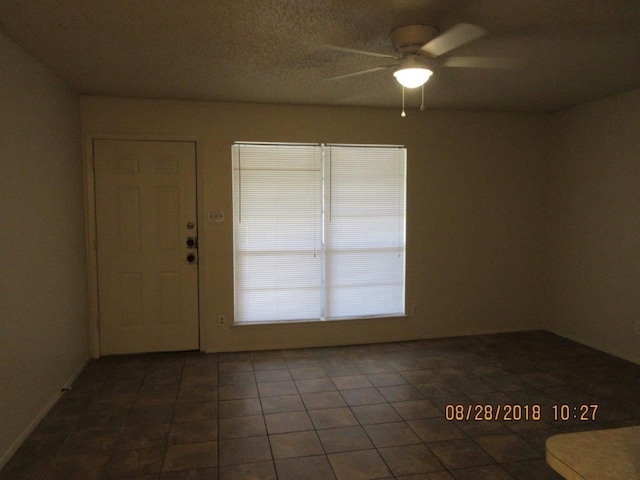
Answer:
(192, 242)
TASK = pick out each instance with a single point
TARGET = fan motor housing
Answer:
(410, 38)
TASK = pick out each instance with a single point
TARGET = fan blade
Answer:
(360, 72)
(453, 38)
(501, 63)
(359, 52)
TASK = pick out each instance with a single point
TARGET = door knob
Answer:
(192, 242)
(191, 258)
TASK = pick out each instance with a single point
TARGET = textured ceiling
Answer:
(571, 51)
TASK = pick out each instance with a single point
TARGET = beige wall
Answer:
(476, 197)
(43, 293)
(595, 225)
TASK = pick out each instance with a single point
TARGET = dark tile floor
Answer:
(345, 413)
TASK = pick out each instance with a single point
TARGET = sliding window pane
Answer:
(277, 232)
(364, 231)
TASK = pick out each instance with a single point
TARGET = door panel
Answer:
(145, 202)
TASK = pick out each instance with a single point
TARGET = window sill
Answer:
(321, 321)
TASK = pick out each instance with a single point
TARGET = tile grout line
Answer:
(171, 423)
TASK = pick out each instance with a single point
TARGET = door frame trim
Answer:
(91, 228)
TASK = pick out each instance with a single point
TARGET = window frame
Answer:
(402, 247)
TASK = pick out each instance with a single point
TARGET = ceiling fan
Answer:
(419, 48)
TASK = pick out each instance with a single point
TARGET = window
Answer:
(319, 231)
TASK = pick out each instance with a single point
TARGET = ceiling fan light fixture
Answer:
(412, 77)
(411, 73)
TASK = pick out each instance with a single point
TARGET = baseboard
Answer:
(611, 351)
(337, 341)
(6, 456)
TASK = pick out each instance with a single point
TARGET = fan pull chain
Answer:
(422, 104)
(403, 114)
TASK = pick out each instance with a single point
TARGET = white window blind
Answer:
(319, 232)
(364, 231)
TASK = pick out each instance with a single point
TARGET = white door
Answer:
(146, 245)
